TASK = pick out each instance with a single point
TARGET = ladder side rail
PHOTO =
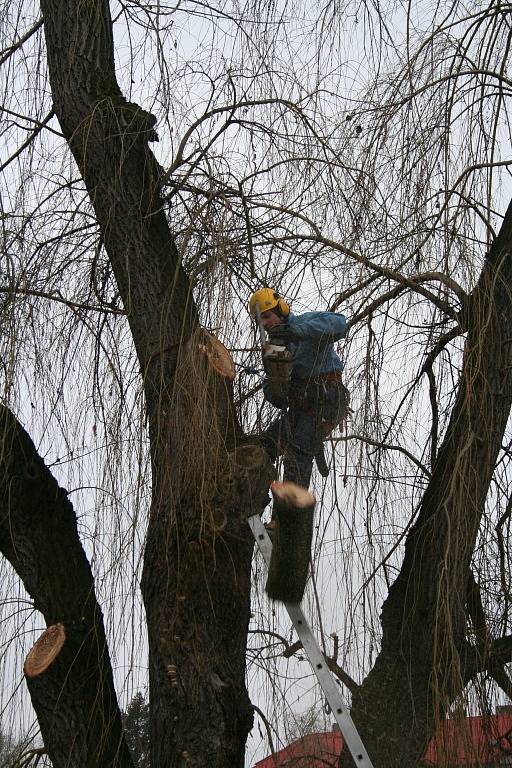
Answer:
(316, 658)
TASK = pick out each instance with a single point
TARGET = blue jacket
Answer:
(313, 352)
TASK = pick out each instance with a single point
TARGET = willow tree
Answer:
(390, 203)
(195, 582)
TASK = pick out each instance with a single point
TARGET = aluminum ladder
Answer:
(316, 658)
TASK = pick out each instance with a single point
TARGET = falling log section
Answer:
(291, 542)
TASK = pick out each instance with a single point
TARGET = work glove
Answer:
(283, 333)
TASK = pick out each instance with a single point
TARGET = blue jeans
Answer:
(299, 432)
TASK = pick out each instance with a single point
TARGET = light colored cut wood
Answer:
(292, 495)
(219, 357)
(45, 650)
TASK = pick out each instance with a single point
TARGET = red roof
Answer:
(471, 741)
(317, 750)
(474, 741)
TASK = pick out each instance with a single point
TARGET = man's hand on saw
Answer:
(283, 333)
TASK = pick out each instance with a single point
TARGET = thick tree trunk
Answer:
(74, 698)
(197, 561)
(421, 666)
(196, 580)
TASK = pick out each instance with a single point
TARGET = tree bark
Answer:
(196, 570)
(424, 619)
(74, 699)
(197, 560)
(196, 579)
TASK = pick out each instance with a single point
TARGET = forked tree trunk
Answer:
(197, 561)
(197, 564)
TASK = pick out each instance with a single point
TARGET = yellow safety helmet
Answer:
(268, 298)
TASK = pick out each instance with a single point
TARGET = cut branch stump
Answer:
(218, 356)
(44, 651)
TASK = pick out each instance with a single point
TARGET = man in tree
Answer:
(310, 393)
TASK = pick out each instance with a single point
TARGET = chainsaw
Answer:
(277, 362)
